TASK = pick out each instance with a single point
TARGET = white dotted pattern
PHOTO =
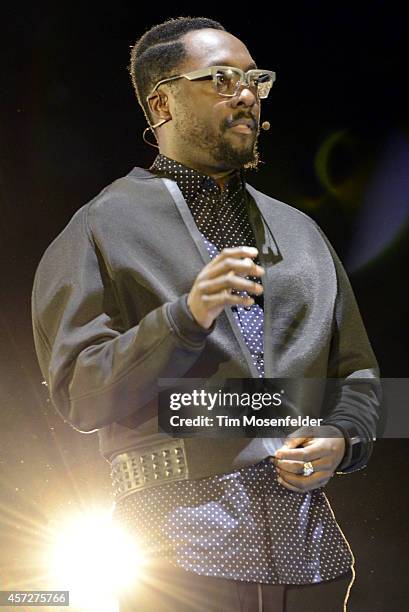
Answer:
(244, 525)
(241, 526)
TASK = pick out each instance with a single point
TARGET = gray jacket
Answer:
(110, 318)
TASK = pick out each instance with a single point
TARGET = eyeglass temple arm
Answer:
(162, 82)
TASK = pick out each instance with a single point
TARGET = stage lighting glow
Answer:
(93, 559)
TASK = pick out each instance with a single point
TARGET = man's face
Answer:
(201, 118)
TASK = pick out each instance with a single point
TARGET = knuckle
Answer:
(201, 285)
(202, 274)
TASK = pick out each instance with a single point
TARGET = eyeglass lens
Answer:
(228, 81)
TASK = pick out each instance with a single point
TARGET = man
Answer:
(151, 280)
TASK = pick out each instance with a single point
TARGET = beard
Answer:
(238, 156)
(195, 134)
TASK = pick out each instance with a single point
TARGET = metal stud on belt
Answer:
(151, 466)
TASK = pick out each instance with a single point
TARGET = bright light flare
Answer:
(93, 559)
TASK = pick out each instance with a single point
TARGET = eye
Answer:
(221, 77)
(226, 81)
(263, 78)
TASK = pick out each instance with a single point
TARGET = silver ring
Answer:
(308, 468)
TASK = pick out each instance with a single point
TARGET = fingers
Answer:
(290, 473)
(302, 484)
(224, 297)
(229, 281)
(303, 454)
(213, 287)
(314, 448)
(297, 467)
(240, 267)
(305, 487)
(324, 454)
(241, 251)
(225, 274)
(238, 260)
(294, 442)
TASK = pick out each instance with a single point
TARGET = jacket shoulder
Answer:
(121, 190)
(133, 189)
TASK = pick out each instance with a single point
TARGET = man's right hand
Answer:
(211, 291)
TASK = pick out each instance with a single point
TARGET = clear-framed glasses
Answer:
(227, 80)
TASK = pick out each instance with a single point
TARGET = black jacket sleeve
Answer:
(96, 371)
(356, 408)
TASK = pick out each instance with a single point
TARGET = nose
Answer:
(244, 96)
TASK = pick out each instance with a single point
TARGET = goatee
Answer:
(236, 156)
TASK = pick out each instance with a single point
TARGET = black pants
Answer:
(168, 589)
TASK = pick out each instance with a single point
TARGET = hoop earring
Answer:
(152, 128)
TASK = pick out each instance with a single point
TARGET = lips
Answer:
(249, 123)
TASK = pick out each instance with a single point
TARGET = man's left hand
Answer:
(325, 454)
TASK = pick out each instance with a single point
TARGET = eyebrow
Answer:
(251, 66)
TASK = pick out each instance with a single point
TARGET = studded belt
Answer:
(151, 466)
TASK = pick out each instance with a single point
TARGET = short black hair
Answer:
(157, 54)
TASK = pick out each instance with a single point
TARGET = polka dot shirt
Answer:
(244, 525)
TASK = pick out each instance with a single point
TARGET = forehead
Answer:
(208, 47)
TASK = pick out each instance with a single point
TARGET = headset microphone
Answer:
(265, 125)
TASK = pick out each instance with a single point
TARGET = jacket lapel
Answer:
(259, 212)
(198, 240)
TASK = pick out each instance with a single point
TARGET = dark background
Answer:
(337, 149)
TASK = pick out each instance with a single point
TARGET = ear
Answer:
(159, 105)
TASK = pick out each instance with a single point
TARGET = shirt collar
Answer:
(190, 181)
